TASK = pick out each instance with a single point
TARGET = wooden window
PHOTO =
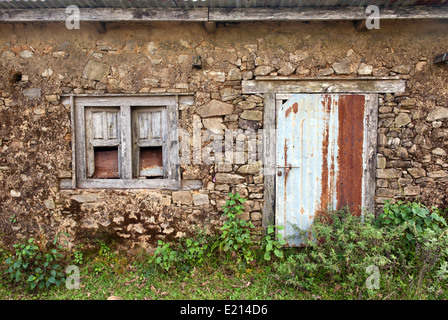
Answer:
(147, 140)
(126, 141)
(102, 142)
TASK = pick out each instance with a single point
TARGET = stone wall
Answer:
(40, 63)
(412, 146)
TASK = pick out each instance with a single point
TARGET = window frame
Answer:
(125, 104)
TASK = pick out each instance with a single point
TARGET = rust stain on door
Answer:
(350, 140)
(325, 195)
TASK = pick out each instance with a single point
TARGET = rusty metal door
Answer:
(320, 140)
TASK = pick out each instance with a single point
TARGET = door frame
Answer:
(270, 87)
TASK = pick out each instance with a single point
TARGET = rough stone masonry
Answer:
(42, 62)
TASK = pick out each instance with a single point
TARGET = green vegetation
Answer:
(236, 233)
(344, 247)
(35, 265)
(417, 219)
(401, 254)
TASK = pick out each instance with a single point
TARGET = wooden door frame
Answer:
(270, 87)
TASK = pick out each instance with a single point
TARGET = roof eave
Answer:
(222, 14)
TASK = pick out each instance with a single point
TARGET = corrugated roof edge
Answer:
(222, 14)
(36, 4)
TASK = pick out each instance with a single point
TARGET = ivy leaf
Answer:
(278, 253)
(435, 216)
(419, 228)
(421, 212)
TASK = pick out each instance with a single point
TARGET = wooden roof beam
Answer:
(221, 14)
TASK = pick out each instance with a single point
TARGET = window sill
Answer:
(123, 184)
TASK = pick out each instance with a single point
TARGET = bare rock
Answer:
(402, 119)
(439, 152)
(95, 70)
(234, 74)
(388, 173)
(182, 197)
(224, 167)
(263, 70)
(437, 113)
(255, 115)
(229, 178)
(228, 94)
(419, 66)
(381, 162)
(26, 54)
(403, 69)
(249, 124)
(343, 67)
(325, 72)
(365, 70)
(417, 172)
(246, 105)
(32, 93)
(15, 194)
(412, 191)
(81, 198)
(287, 69)
(215, 125)
(215, 108)
(438, 174)
(200, 199)
(253, 168)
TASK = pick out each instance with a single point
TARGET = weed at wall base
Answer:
(407, 244)
(35, 266)
(238, 243)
